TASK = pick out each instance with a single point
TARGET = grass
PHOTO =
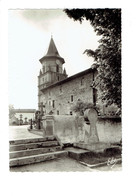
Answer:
(95, 158)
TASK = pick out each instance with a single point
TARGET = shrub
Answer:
(81, 106)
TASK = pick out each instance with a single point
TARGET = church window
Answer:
(53, 103)
(72, 98)
(57, 112)
(71, 113)
(57, 68)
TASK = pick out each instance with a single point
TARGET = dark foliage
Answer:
(107, 24)
(81, 106)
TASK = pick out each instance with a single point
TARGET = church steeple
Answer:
(52, 52)
(52, 67)
(64, 71)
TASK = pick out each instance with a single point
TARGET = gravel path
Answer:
(58, 165)
(21, 132)
(62, 165)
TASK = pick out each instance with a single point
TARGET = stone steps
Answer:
(25, 141)
(27, 151)
(36, 158)
(76, 153)
(33, 145)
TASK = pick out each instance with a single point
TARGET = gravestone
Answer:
(91, 139)
(91, 115)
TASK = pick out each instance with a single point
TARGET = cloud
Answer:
(40, 15)
(40, 18)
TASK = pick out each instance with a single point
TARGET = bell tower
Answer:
(52, 67)
(52, 71)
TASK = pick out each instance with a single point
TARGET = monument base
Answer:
(48, 125)
(36, 131)
(95, 147)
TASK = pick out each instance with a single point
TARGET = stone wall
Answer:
(60, 98)
(109, 129)
(70, 129)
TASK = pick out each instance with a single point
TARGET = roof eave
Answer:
(48, 57)
(70, 78)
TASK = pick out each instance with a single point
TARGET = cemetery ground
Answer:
(109, 161)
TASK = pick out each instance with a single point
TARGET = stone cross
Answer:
(41, 107)
(91, 114)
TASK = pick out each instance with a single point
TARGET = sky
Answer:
(29, 34)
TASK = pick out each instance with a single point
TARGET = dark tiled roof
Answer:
(71, 78)
(52, 51)
(25, 110)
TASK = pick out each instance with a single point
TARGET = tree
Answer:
(107, 57)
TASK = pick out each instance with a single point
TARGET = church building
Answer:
(57, 92)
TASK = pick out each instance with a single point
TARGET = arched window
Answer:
(71, 98)
(57, 112)
(53, 103)
(57, 68)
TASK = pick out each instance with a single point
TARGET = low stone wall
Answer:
(109, 129)
(66, 127)
(71, 129)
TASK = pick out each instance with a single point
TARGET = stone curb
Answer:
(100, 164)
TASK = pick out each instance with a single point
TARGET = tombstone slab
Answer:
(91, 115)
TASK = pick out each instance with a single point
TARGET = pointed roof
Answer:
(40, 72)
(64, 71)
(52, 51)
